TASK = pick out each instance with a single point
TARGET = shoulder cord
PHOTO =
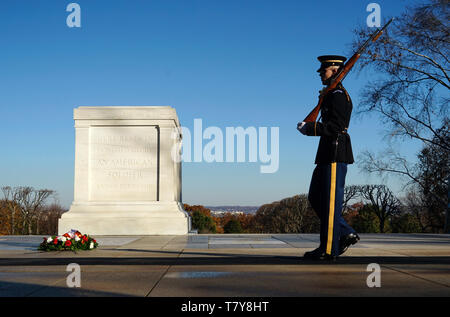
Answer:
(348, 99)
(315, 125)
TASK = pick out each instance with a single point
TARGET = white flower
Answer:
(61, 238)
(49, 239)
(72, 233)
(77, 238)
(91, 246)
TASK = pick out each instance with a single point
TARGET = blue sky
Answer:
(230, 63)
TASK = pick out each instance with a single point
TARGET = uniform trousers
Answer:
(326, 195)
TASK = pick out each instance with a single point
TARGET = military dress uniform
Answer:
(326, 192)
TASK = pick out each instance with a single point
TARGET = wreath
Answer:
(69, 241)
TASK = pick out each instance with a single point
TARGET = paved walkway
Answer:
(228, 266)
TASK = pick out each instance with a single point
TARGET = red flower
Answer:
(55, 241)
(68, 243)
(85, 238)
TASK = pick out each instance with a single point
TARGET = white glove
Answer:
(301, 127)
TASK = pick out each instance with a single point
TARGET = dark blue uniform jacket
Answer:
(334, 144)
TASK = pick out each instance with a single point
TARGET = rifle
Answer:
(339, 77)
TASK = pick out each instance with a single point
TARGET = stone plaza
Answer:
(228, 265)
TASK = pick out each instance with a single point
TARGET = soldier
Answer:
(326, 191)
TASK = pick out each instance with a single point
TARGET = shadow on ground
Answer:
(15, 289)
(221, 259)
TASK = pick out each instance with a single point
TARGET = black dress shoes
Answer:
(347, 241)
(319, 255)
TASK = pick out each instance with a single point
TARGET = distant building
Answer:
(221, 213)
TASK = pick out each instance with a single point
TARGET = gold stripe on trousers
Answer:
(331, 210)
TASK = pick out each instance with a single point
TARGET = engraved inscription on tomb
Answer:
(123, 163)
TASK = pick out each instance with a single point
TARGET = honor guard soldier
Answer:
(326, 192)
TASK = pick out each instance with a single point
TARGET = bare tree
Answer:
(10, 199)
(414, 205)
(411, 93)
(28, 201)
(350, 192)
(47, 219)
(289, 215)
(383, 201)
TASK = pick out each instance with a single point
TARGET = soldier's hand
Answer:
(301, 127)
